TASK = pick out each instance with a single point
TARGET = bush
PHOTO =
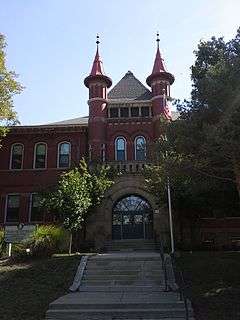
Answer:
(2, 243)
(46, 240)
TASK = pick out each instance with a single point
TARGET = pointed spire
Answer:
(158, 63)
(97, 67)
(97, 70)
(159, 70)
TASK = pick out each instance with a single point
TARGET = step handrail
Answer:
(181, 285)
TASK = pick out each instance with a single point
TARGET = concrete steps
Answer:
(121, 286)
(131, 245)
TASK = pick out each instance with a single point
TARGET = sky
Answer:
(51, 45)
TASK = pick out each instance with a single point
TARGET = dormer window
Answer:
(124, 112)
(145, 112)
(135, 112)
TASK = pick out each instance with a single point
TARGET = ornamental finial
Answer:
(97, 41)
(158, 40)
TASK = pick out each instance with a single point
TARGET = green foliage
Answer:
(8, 88)
(46, 240)
(200, 153)
(209, 127)
(2, 243)
(76, 193)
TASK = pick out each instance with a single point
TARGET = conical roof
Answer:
(97, 72)
(129, 87)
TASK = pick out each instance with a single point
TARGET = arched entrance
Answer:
(132, 218)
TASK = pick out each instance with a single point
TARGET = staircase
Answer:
(121, 285)
(131, 245)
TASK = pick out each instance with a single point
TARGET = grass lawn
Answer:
(26, 289)
(214, 284)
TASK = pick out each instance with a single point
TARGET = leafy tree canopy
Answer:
(8, 88)
(76, 193)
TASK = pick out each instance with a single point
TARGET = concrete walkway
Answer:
(124, 285)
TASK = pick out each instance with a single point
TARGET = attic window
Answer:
(124, 112)
(145, 112)
(113, 112)
(135, 112)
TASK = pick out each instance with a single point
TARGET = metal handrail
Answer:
(163, 266)
(181, 286)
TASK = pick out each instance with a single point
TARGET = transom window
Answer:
(36, 213)
(64, 149)
(40, 156)
(13, 208)
(140, 148)
(16, 161)
(120, 147)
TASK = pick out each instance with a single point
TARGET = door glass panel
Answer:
(132, 218)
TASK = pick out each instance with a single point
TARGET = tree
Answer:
(8, 88)
(77, 192)
(209, 128)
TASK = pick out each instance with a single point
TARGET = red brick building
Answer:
(122, 124)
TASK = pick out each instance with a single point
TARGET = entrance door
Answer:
(132, 219)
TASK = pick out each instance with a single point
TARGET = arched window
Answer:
(40, 155)
(64, 150)
(120, 149)
(16, 161)
(140, 148)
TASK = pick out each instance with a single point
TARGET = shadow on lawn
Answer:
(213, 284)
(26, 289)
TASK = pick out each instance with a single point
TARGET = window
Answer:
(64, 149)
(140, 149)
(13, 208)
(36, 213)
(113, 112)
(145, 111)
(135, 112)
(16, 161)
(40, 156)
(124, 112)
(120, 146)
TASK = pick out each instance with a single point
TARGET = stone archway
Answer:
(99, 226)
(132, 218)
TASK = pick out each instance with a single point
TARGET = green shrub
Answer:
(46, 240)
(2, 243)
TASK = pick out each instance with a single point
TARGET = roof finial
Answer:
(158, 40)
(97, 41)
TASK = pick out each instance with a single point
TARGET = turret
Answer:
(97, 83)
(160, 81)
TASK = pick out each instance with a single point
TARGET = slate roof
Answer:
(129, 87)
(74, 121)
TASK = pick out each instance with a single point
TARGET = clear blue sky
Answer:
(51, 45)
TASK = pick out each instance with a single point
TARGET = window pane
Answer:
(135, 112)
(120, 148)
(140, 149)
(40, 156)
(64, 155)
(124, 112)
(113, 112)
(13, 206)
(145, 111)
(64, 148)
(36, 210)
(17, 156)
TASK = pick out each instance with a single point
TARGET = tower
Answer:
(97, 83)
(160, 81)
